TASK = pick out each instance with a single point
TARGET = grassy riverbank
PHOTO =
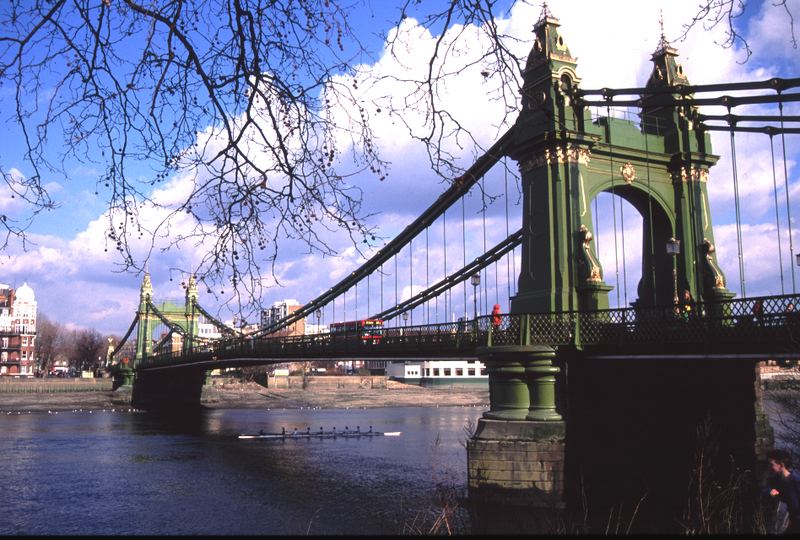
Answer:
(232, 393)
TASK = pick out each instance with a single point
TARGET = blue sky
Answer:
(77, 283)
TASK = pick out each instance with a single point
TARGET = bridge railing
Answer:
(766, 322)
(770, 323)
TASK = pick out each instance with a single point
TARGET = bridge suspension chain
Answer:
(613, 202)
(462, 275)
(223, 328)
(124, 339)
(169, 324)
(683, 96)
(738, 215)
(786, 191)
(777, 214)
(459, 186)
(464, 249)
(650, 207)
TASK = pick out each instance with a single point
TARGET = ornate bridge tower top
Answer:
(550, 61)
(568, 155)
(191, 290)
(146, 290)
(667, 72)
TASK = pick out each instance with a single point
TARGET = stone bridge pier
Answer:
(168, 389)
(634, 445)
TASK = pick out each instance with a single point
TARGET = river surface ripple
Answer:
(123, 473)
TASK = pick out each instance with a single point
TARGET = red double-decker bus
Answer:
(368, 330)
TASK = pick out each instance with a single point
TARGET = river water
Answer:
(122, 472)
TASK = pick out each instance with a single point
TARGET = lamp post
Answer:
(475, 280)
(318, 313)
(674, 249)
(405, 318)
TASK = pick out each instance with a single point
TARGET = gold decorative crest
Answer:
(628, 173)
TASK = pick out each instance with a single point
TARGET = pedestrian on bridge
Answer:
(792, 319)
(758, 312)
(784, 484)
(496, 318)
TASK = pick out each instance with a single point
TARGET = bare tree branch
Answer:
(711, 13)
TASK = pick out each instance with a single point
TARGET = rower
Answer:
(294, 433)
(358, 429)
(370, 429)
(308, 431)
(261, 432)
(283, 432)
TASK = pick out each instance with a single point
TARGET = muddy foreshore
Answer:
(235, 394)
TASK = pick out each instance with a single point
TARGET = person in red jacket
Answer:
(496, 318)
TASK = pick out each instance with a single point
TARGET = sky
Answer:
(78, 284)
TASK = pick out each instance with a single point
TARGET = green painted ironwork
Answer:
(726, 327)
(567, 158)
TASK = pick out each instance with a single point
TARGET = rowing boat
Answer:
(320, 434)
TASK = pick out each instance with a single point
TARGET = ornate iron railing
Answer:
(766, 324)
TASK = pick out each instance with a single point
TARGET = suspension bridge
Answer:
(572, 359)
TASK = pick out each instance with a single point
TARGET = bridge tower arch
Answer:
(660, 164)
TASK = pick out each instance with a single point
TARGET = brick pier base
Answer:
(516, 476)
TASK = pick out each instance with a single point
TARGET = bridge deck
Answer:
(722, 329)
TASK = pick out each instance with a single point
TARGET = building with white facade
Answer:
(17, 331)
(206, 329)
(439, 372)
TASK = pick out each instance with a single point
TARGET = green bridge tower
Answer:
(660, 165)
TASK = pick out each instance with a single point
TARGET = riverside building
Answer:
(439, 372)
(17, 331)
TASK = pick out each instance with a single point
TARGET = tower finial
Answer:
(545, 11)
(545, 16)
(663, 44)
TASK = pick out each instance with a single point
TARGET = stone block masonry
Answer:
(516, 476)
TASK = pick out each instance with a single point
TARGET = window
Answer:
(427, 372)
(459, 372)
(471, 371)
(24, 341)
(483, 371)
(24, 354)
(447, 372)
(436, 372)
(5, 342)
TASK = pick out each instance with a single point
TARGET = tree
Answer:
(249, 115)
(87, 346)
(49, 341)
(711, 13)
